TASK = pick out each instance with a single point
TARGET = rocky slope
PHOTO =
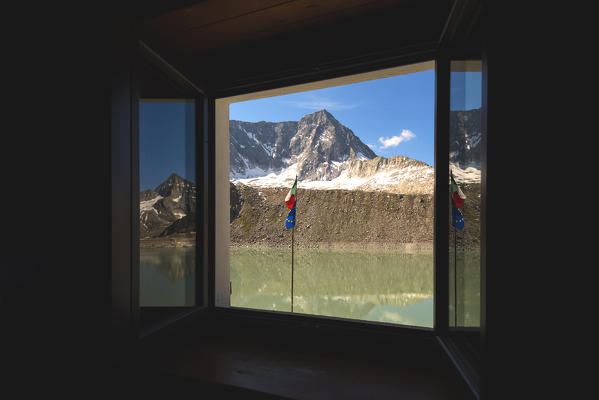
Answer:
(343, 218)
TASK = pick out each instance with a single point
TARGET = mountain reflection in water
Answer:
(167, 277)
(394, 286)
(174, 263)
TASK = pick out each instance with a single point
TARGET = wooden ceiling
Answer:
(234, 41)
(214, 24)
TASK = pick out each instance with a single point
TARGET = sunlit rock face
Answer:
(313, 147)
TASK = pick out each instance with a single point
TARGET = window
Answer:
(168, 196)
(362, 148)
(465, 134)
(167, 202)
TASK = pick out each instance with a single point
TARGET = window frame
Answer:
(451, 338)
(205, 171)
(125, 190)
(465, 55)
(162, 317)
(445, 335)
(441, 151)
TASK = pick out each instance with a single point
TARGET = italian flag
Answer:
(458, 196)
(290, 198)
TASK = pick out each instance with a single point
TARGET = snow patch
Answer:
(470, 174)
(251, 173)
(410, 179)
(283, 177)
(361, 156)
(381, 180)
(148, 205)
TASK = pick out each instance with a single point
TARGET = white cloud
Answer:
(320, 103)
(394, 141)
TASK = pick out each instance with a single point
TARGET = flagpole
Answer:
(292, 244)
(292, 232)
(455, 277)
(455, 269)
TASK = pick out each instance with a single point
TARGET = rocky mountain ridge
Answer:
(314, 145)
(168, 208)
(325, 155)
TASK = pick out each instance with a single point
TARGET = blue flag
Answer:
(457, 219)
(290, 221)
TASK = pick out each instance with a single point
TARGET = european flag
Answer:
(290, 221)
(457, 219)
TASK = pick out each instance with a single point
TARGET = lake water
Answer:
(167, 277)
(393, 286)
(366, 284)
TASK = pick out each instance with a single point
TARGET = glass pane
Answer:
(361, 247)
(465, 132)
(167, 197)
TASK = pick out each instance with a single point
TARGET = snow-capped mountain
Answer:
(315, 145)
(166, 208)
(324, 154)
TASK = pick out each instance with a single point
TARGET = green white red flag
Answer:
(457, 194)
(290, 198)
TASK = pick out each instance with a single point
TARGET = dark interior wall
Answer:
(526, 280)
(55, 251)
(122, 114)
(56, 178)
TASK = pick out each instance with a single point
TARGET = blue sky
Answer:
(166, 142)
(466, 90)
(394, 116)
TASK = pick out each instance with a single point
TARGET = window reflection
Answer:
(465, 133)
(167, 202)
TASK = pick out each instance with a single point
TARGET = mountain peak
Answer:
(320, 116)
(315, 145)
(174, 177)
(173, 183)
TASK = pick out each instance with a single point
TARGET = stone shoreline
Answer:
(190, 242)
(339, 245)
(168, 242)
